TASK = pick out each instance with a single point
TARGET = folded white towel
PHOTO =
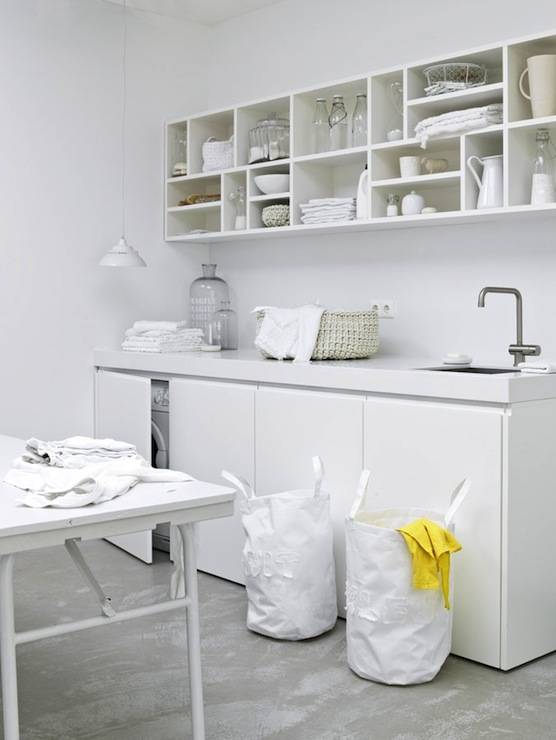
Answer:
(544, 367)
(330, 201)
(45, 485)
(455, 122)
(289, 332)
(76, 452)
(164, 333)
(159, 325)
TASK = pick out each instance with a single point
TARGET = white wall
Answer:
(434, 274)
(60, 81)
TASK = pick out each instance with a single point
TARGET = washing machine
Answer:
(160, 446)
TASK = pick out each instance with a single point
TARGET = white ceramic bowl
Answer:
(269, 184)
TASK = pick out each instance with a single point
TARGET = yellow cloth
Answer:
(430, 546)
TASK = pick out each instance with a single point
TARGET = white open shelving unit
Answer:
(336, 173)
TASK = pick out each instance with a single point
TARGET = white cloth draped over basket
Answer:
(396, 634)
(288, 560)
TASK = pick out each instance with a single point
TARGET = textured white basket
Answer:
(218, 155)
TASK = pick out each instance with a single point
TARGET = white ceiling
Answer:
(206, 12)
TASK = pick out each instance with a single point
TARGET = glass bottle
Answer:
(338, 120)
(321, 128)
(226, 319)
(238, 199)
(392, 204)
(359, 121)
(542, 186)
(394, 127)
(205, 297)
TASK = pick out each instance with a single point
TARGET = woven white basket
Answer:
(218, 155)
(343, 335)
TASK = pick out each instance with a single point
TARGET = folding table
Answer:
(145, 506)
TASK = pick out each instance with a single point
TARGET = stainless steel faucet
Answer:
(518, 350)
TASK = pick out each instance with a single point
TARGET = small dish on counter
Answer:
(276, 215)
(270, 184)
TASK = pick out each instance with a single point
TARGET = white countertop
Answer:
(391, 375)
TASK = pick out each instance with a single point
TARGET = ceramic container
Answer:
(542, 84)
(410, 166)
(276, 215)
(491, 185)
(270, 184)
(412, 204)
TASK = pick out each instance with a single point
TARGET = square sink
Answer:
(474, 370)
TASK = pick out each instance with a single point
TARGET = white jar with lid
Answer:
(412, 204)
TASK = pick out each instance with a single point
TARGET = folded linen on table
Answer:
(159, 350)
(159, 325)
(45, 485)
(456, 122)
(75, 452)
(164, 333)
(543, 367)
(289, 332)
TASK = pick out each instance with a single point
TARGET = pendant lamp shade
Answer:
(122, 254)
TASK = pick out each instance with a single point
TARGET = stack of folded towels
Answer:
(457, 122)
(162, 336)
(327, 210)
(79, 471)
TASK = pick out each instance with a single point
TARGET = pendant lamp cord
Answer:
(124, 115)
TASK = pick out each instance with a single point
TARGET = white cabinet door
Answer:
(417, 453)
(211, 429)
(123, 411)
(291, 427)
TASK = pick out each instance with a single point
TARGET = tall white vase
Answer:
(491, 185)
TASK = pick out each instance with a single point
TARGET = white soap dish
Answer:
(456, 358)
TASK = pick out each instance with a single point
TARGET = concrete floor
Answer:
(129, 681)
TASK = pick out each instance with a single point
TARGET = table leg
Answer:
(8, 648)
(187, 532)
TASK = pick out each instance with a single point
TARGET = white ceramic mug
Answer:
(542, 84)
(410, 166)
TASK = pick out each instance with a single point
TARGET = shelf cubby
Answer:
(247, 118)
(519, 108)
(443, 193)
(326, 177)
(231, 181)
(491, 58)
(256, 209)
(176, 145)
(385, 162)
(304, 109)
(218, 125)
(183, 221)
(482, 143)
(178, 189)
(384, 113)
(521, 153)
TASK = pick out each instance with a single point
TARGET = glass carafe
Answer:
(338, 120)
(359, 121)
(321, 128)
(542, 187)
(205, 298)
(269, 140)
(226, 319)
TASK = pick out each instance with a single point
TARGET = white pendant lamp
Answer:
(123, 254)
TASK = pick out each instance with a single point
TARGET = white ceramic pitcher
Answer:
(542, 84)
(491, 186)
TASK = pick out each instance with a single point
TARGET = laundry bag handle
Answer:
(318, 470)
(361, 493)
(240, 483)
(457, 499)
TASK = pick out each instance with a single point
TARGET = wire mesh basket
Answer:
(451, 76)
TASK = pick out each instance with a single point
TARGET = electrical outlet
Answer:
(386, 309)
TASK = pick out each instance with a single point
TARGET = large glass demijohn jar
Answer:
(206, 295)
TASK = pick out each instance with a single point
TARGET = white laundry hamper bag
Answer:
(396, 634)
(288, 560)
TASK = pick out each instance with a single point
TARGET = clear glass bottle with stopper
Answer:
(237, 197)
(205, 298)
(359, 121)
(338, 120)
(543, 188)
(226, 320)
(321, 128)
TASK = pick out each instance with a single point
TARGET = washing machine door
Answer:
(159, 447)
